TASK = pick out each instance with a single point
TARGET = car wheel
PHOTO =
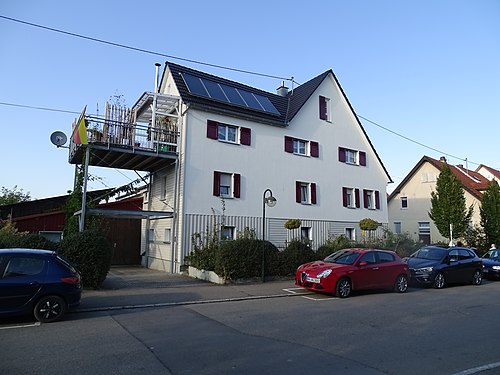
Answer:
(49, 309)
(439, 281)
(401, 284)
(477, 278)
(343, 289)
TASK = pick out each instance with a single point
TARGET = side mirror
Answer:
(362, 264)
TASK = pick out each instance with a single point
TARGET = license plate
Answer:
(313, 280)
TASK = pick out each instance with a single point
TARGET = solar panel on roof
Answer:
(194, 85)
(228, 94)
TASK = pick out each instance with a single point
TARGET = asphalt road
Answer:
(424, 331)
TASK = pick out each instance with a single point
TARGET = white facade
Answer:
(187, 187)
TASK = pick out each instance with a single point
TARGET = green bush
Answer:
(242, 258)
(295, 254)
(91, 255)
(11, 238)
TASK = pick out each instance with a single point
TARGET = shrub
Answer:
(242, 258)
(11, 238)
(90, 253)
(295, 254)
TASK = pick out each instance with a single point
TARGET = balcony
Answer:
(143, 138)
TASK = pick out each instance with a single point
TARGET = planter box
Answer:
(210, 276)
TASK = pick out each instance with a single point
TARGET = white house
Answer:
(217, 149)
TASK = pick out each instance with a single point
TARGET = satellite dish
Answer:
(58, 138)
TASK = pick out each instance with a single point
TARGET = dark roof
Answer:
(472, 181)
(288, 106)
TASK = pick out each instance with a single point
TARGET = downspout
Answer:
(175, 218)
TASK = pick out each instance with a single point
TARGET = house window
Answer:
(424, 232)
(371, 199)
(350, 197)
(305, 192)
(167, 235)
(301, 147)
(226, 185)
(163, 188)
(353, 157)
(151, 235)
(350, 234)
(397, 227)
(228, 133)
(305, 233)
(404, 203)
(324, 108)
(227, 233)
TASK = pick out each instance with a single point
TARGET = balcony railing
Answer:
(161, 139)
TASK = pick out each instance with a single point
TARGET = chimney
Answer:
(282, 90)
(443, 159)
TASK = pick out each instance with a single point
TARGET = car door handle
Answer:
(34, 283)
(375, 268)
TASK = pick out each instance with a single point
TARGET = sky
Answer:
(423, 75)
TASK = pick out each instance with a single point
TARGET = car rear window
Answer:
(386, 257)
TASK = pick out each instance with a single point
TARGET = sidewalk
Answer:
(130, 287)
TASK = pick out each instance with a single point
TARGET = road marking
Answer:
(35, 324)
(298, 291)
(307, 294)
(318, 298)
(475, 370)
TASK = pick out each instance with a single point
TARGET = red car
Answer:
(354, 269)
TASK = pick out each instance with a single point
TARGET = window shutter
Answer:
(236, 185)
(245, 136)
(365, 198)
(297, 192)
(216, 191)
(322, 108)
(314, 149)
(356, 194)
(342, 154)
(377, 200)
(289, 144)
(344, 197)
(212, 129)
(313, 193)
(362, 158)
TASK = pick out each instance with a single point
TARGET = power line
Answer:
(143, 50)
(39, 108)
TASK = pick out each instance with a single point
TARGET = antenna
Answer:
(58, 139)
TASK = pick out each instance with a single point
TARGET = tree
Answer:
(490, 212)
(448, 205)
(10, 196)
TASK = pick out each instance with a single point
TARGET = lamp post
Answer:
(271, 202)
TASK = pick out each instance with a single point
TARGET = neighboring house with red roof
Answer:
(216, 148)
(410, 203)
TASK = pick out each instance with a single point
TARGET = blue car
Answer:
(438, 266)
(37, 282)
(491, 264)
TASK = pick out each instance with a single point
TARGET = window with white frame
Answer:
(226, 185)
(424, 227)
(228, 233)
(163, 187)
(305, 192)
(227, 133)
(404, 203)
(167, 237)
(350, 234)
(350, 197)
(351, 156)
(397, 227)
(305, 233)
(371, 199)
(325, 108)
(299, 147)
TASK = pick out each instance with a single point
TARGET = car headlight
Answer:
(496, 268)
(324, 273)
(426, 269)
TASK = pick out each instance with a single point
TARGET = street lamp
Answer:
(271, 202)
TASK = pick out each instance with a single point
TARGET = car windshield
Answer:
(342, 257)
(430, 253)
(492, 254)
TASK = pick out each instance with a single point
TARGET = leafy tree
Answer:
(490, 212)
(10, 196)
(448, 205)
